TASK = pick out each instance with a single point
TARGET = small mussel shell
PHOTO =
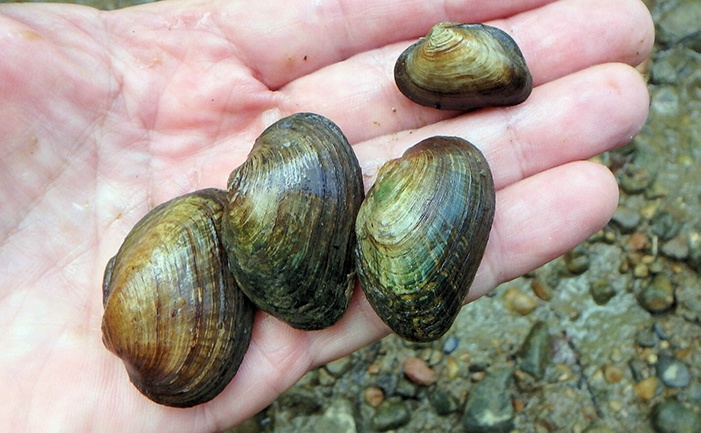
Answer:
(289, 227)
(173, 312)
(463, 67)
(421, 233)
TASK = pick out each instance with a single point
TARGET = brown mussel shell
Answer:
(421, 234)
(173, 312)
(463, 67)
(289, 227)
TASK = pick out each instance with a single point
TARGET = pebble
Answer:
(672, 372)
(373, 396)
(577, 260)
(626, 218)
(634, 180)
(442, 402)
(658, 296)
(339, 367)
(664, 225)
(489, 408)
(612, 374)
(601, 291)
(598, 427)
(647, 338)
(391, 414)
(536, 351)
(676, 248)
(450, 344)
(519, 302)
(452, 368)
(338, 418)
(417, 371)
(645, 389)
(670, 416)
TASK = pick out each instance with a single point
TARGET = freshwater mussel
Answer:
(421, 234)
(289, 225)
(173, 312)
(463, 67)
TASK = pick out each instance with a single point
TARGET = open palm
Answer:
(107, 114)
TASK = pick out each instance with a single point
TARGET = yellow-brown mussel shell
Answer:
(463, 67)
(421, 234)
(289, 226)
(173, 312)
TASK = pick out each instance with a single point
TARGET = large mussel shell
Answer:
(463, 67)
(173, 312)
(289, 227)
(421, 233)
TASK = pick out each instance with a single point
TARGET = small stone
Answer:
(489, 408)
(673, 372)
(665, 225)
(598, 427)
(638, 242)
(373, 369)
(542, 287)
(634, 180)
(612, 374)
(647, 338)
(417, 371)
(577, 260)
(646, 388)
(391, 414)
(339, 367)
(676, 248)
(338, 418)
(658, 296)
(670, 416)
(519, 302)
(536, 351)
(373, 396)
(626, 218)
(452, 368)
(442, 402)
(601, 291)
(450, 344)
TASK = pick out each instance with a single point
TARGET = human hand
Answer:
(107, 114)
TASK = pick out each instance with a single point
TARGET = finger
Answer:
(300, 37)
(556, 40)
(573, 118)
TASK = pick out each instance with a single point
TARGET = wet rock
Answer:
(658, 296)
(598, 427)
(634, 180)
(676, 248)
(665, 225)
(626, 218)
(601, 291)
(670, 416)
(645, 389)
(339, 367)
(489, 408)
(536, 351)
(678, 22)
(442, 401)
(391, 414)
(647, 338)
(417, 371)
(693, 392)
(665, 101)
(452, 368)
(338, 418)
(450, 344)
(373, 396)
(519, 302)
(577, 260)
(300, 402)
(673, 372)
(388, 383)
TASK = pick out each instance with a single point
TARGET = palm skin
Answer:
(106, 114)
